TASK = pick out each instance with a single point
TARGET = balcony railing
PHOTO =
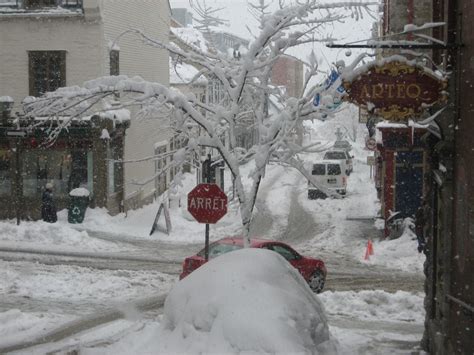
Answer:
(35, 5)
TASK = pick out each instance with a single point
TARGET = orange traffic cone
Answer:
(369, 250)
(367, 253)
(370, 246)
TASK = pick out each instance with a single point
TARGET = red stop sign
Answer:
(207, 203)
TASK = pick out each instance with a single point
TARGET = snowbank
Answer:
(137, 224)
(62, 283)
(221, 307)
(57, 236)
(400, 253)
(375, 305)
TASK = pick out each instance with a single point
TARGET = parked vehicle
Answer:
(343, 156)
(343, 145)
(312, 270)
(329, 174)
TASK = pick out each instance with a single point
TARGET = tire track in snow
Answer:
(85, 323)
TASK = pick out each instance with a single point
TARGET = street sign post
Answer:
(207, 203)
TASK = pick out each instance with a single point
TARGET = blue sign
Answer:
(331, 79)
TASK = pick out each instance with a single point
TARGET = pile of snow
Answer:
(80, 192)
(400, 306)
(137, 224)
(400, 253)
(58, 236)
(250, 300)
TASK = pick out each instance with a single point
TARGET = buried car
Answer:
(312, 270)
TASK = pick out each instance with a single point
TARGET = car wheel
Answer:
(316, 281)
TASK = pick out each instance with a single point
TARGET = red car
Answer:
(312, 270)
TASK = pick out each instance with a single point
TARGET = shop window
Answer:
(47, 71)
(5, 179)
(66, 170)
(79, 170)
(40, 167)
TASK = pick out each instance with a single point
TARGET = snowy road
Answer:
(51, 285)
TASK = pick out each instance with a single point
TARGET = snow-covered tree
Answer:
(246, 82)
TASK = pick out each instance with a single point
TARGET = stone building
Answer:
(450, 220)
(449, 185)
(54, 43)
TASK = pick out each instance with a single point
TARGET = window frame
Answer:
(48, 55)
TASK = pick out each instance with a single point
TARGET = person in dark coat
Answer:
(48, 209)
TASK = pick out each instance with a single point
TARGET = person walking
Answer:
(48, 208)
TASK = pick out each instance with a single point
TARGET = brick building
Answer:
(288, 72)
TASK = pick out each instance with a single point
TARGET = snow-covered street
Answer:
(97, 286)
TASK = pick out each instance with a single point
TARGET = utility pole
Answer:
(206, 171)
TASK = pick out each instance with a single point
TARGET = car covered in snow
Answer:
(328, 174)
(313, 270)
(343, 156)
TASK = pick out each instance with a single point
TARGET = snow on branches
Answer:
(246, 86)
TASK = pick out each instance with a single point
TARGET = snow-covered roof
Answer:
(119, 115)
(8, 9)
(411, 123)
(191, 37)
(183, 73)
(350, 74)
(6, 99)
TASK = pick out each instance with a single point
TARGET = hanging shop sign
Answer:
(395, 89)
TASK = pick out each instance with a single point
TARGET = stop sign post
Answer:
(207, 203)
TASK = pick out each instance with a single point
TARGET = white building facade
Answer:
(46, 44)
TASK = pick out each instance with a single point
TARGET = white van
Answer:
(343, 156)
(329, 174)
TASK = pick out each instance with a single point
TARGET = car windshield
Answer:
(334, 169)
(217, 249)
(318, 169)
(335, 155)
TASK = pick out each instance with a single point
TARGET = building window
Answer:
(47, 166)
(114, 62)
(32, 4)
(5, 181)
(47, 70)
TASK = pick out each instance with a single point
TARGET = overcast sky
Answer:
(236, 12)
